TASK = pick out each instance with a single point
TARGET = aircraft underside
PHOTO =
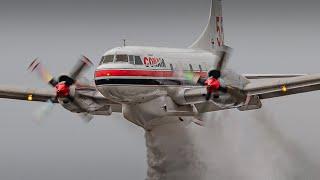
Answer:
(150, 105)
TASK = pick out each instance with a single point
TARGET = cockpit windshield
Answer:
(121, 58)
(107, 59)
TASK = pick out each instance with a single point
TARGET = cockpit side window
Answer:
(137, 60)
(191, 68)
(131, 59)
(200, 68)
(171, 67)
(107, 59)
(121, 58)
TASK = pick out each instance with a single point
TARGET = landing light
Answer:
(30, 98)
(284, 89)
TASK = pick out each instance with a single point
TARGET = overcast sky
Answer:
(267, 36)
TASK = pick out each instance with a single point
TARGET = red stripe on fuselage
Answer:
(147, 73)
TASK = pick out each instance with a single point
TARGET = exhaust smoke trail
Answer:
(250, 147)
(171, 154)
(298, 164)
(232, 146)
(216, 145)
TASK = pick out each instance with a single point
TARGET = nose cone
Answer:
(107, 78)
(118, 82)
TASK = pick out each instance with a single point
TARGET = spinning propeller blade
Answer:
(44, 110)
(61, 85)
(36, 66)
(82, 65)
(223, 57)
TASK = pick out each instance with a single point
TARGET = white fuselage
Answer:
(138, 74)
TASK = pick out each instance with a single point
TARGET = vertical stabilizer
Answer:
(213, 36)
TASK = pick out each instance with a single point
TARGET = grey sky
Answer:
(267, 37)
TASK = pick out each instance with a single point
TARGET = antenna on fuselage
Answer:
(124, 42)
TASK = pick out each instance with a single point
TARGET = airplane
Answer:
(152, 86)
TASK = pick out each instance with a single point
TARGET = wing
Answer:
(270, 76)
(270, 88)
(27, 94)
(86, 98)
(259, 88)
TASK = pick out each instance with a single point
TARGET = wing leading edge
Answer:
(35, 95)
(27, 94)
(271, 88)
(270, 76)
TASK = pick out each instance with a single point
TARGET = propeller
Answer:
(42, 72)
(212, 82)
(44, 110)
(61, 84)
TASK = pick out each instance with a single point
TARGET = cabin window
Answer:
(138, 60)
(131, 59)
(122, 58)
(200, 68)
(191, 68)
(171, 67)
(107, 59)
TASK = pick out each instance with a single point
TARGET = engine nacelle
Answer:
(79, 103)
